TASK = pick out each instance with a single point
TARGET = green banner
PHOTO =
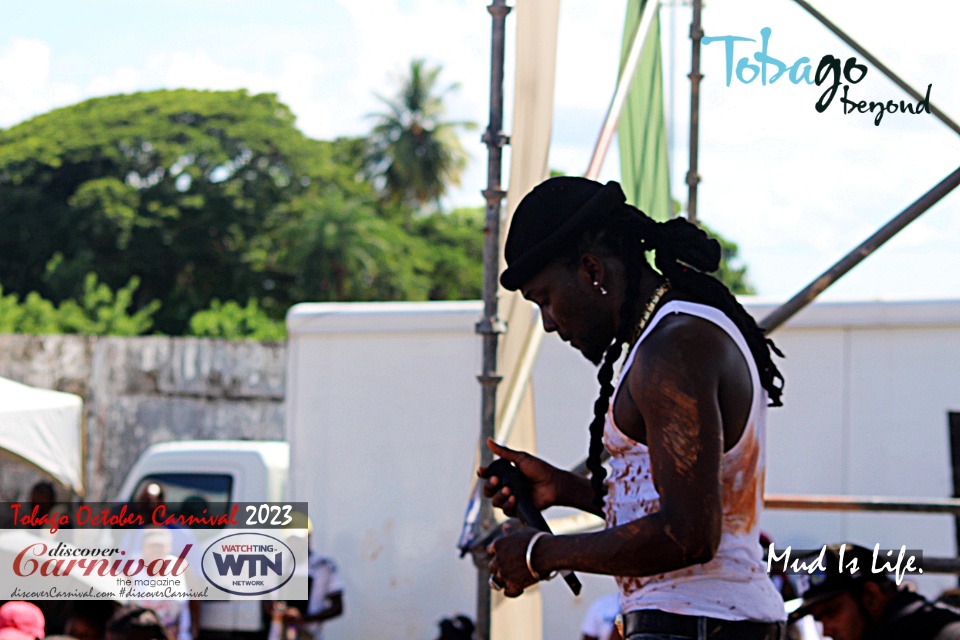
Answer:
(644, 167)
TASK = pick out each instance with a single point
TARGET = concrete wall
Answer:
(140, 391)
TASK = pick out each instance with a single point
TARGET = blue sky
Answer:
(795, 188)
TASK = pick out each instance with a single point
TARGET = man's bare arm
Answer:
(676, 382)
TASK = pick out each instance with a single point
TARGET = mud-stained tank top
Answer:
(733, 585)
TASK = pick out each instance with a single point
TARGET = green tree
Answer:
(192, 191)
(414, 155)
(341, 247)
(455, 243)
(168, 185)
(209, 195)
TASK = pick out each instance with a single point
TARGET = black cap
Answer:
(548, 219)
(837, 577)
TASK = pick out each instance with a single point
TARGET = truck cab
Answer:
(194, 473)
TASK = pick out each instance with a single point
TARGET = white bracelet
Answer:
(533, 541)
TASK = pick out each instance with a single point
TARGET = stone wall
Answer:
(141, 391)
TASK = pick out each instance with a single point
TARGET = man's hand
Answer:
(544, 480)
(508, 559)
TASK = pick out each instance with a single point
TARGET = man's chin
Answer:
(595, 356)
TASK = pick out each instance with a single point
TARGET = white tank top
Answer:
(733, 585)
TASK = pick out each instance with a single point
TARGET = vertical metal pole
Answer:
(490, 326)
(693, 178)
(671, 70)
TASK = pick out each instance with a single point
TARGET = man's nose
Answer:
(548, 324)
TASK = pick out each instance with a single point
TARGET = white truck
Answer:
(216, 471)
(382, 415)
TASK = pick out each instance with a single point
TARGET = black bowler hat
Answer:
(549, 219)
(837, 578)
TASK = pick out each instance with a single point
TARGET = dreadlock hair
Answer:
(685, 255)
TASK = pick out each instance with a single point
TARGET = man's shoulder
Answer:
(683, 337)
(678, 329)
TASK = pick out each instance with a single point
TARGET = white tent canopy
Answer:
(44, 429)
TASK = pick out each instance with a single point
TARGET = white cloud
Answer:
(456, 35)
(120, 80)
(25, 85)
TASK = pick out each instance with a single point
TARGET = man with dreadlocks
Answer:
(684, 424)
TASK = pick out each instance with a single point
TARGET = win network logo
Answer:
(248, 564)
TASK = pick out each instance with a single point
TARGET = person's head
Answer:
(134, 622)
(456, 628)
(156, 543)
(578, 250)
(195, 506)
(848, 603)
(149, 497)
(21, 620)
(43, 495)
(83, 627)
(87, 620)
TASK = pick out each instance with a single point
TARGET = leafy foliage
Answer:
(232, 322)
(455, 240)
(99, 311)
(170, 185)
(205, 196)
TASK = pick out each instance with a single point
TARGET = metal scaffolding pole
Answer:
(490, 326)
(693, 178)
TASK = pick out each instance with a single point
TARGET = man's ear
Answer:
(874, 599)
(593, 269)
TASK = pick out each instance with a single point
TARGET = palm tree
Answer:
(413, 155)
